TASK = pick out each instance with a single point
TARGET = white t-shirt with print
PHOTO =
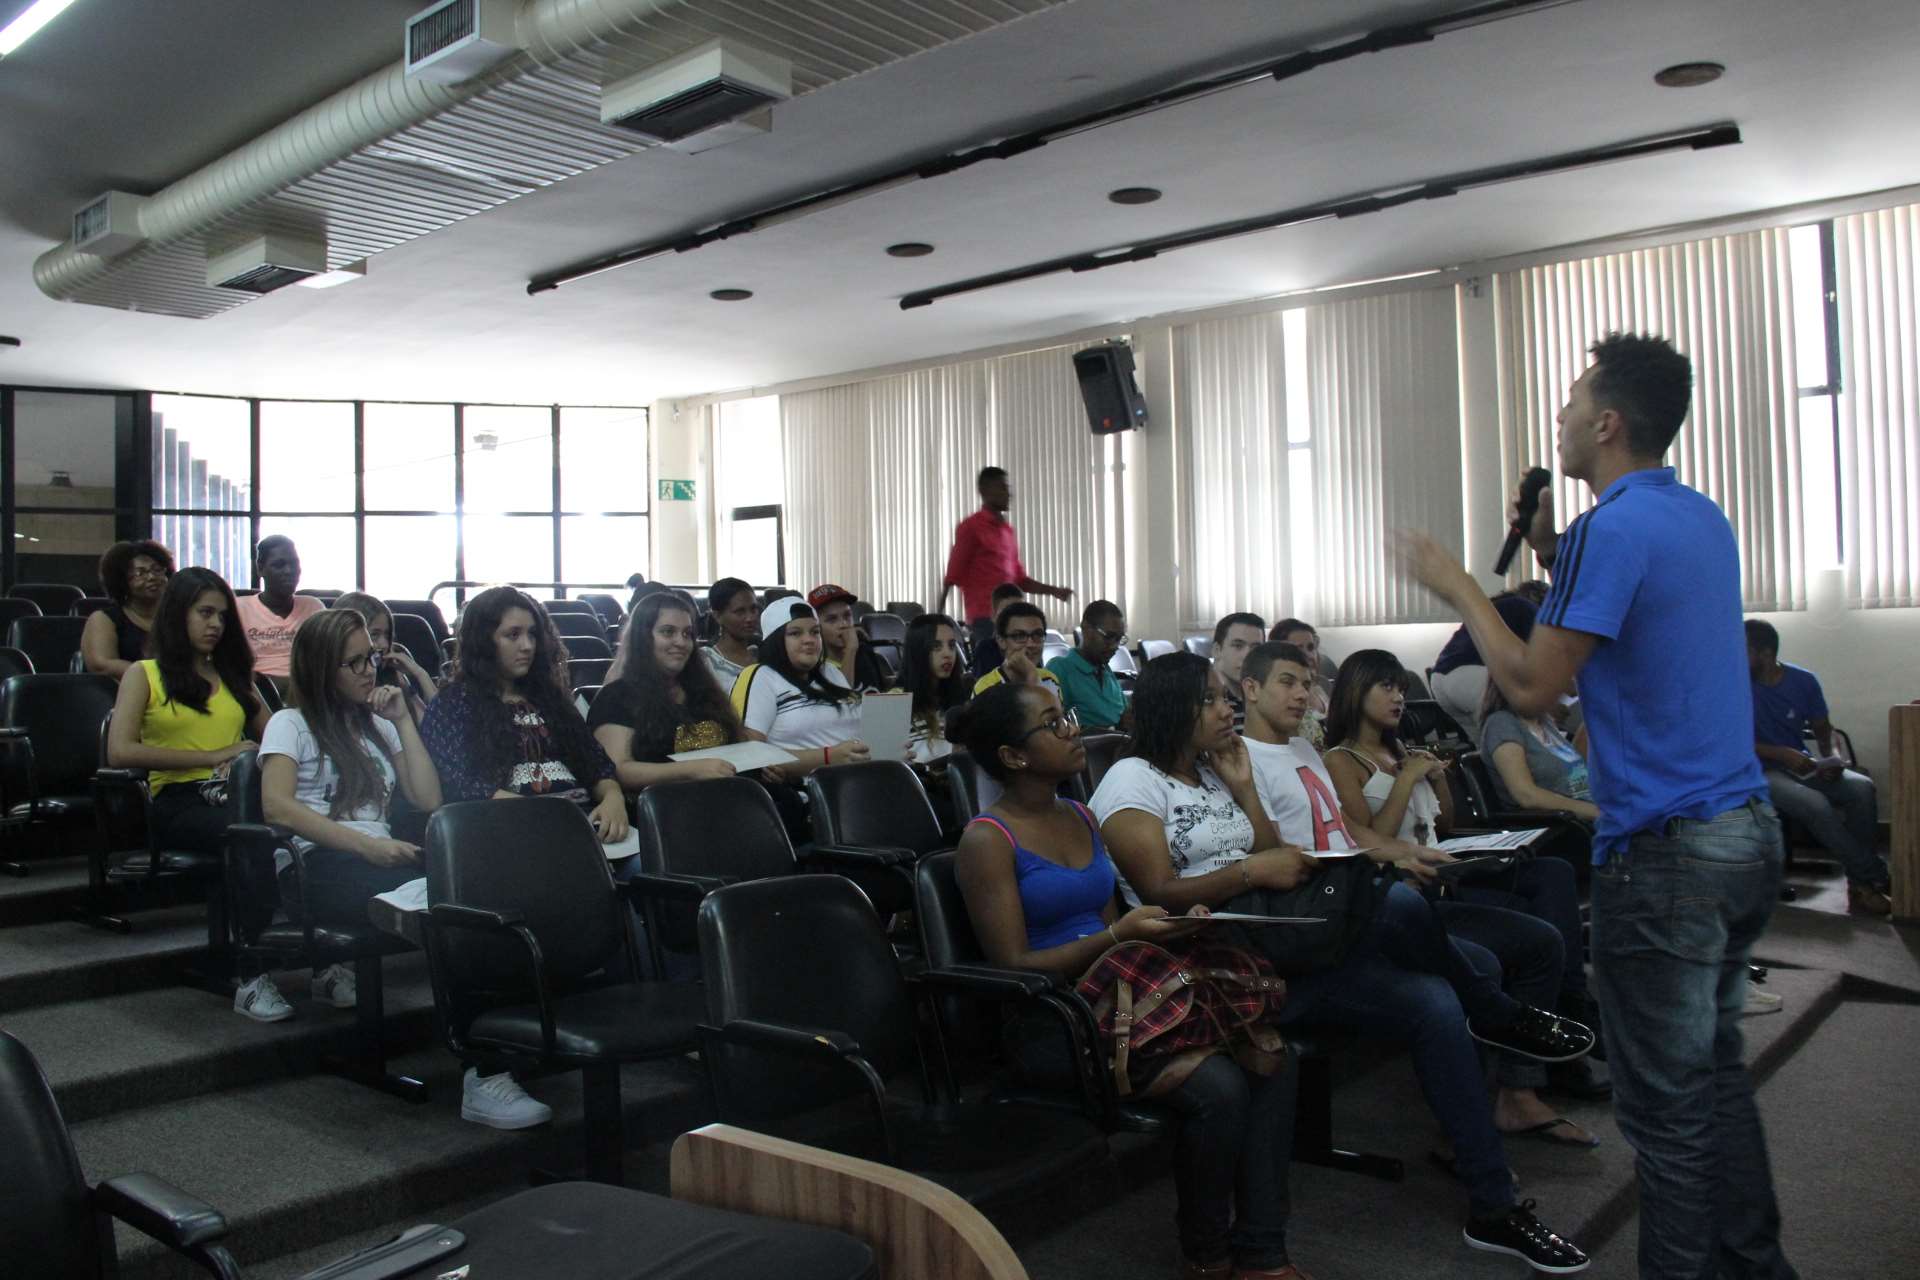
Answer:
(1297, 792)
(314, 777)
(790, 718)
(1206, 829)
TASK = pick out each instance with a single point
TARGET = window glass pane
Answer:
(409, 458)
(202, 453)
(63, 449)
(510, 548)
(1300, 531)
(753, 550)
(306, 456)
(750, 473)
(325, 544)
(1809, 309)
(603, 460)
(508, 456)
(1293, 338)
(218, 543)
(603, 548)
(406, 555)
(62, 548)
(1817, 483)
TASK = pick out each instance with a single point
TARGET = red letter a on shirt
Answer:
(1326, 812)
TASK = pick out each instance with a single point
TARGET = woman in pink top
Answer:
(270, 618)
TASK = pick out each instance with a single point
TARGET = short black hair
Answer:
(1233, 620)
(271, 540)
(995, 719)
(1008, 591)
(988, 475)
(1762, 635)
(1261, 657)
(1644, 380)
(722, 594)
(1287, 626)
(1098, 609)
(1018, 609)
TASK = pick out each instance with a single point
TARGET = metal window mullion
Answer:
(553, 439)
(253, 488)
(359, 495)
(459, 503)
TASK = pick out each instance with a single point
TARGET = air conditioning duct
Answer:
(109, 224)
(266, 263)
(456, 40)
(708, 92)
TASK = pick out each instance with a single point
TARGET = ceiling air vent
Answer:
(703, 90)
(456, 40)
(267, 263)
(108, 225)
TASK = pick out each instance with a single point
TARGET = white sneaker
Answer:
(1760, 1000)
(334, 985)
(262, 1001)
(500, 1103)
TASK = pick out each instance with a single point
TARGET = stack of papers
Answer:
(1491, 841)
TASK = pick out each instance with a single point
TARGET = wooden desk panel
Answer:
(1903, 741)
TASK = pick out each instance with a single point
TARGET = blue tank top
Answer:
(1060, 903)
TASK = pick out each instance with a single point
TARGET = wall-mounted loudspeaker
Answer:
(1113, 400)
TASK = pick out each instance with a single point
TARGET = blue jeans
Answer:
(1406, 981)
(1230, 1162)
(1843, 815)
(1674, 919)
(1546, 889)
(1523, 954)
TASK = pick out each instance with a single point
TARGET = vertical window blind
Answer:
(880, 472)
(1725, 302)
(1879, 290)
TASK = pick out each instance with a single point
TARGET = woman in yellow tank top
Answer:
(184, 713)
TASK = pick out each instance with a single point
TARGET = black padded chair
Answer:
(325, 596)
(533, 958)
(585, 646)
(570, 625)
(49, 750)
(14, 663)
(582, 672)
(881, 806)
(1125, 667)
(969, 789)
(428, 610)
(554, 607)
(606, 606)
(269, 692)
(417, 635)
(885, 628)
(87, 606)
(52, 597)
(129, 856)
(51, 640)
(253, 889)
(1476, 800)
(1151, 649)
(587, 692)
(905, 610)
(1202, 645)
(1102, 750)
(1424, 720)
(52, 1222)
(808, 1048)
(12, 607)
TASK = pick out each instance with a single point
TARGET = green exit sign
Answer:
(676, 491)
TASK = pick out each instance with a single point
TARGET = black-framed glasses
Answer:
(150, 571)
(1025, 637)
(1062, 726)
(360, 665)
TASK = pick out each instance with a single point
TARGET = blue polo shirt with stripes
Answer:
(1653, 570)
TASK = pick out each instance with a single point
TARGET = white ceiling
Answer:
(95, 102)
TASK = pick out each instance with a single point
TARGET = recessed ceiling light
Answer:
(1134, 195)
(909, 249)
(731, 295)
(28, 24)
(1689, 75)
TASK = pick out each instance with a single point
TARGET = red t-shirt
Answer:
(986, 553)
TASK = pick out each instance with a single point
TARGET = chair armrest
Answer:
(673, 886)
(16, 768)
(157, 1208)
(455, 916)
(862, 856)
(984, 980)
(513, 924)
(808, 1041)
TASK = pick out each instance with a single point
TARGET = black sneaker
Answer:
(1521, 1234)
(1535, 1033)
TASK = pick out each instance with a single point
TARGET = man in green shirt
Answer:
(1088, 687)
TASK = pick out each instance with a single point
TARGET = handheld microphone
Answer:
(1536, 479)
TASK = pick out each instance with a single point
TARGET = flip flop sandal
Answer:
(1543, 1132)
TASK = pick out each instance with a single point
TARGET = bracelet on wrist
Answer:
(1112, 933)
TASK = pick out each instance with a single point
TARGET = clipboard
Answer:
(885, 725)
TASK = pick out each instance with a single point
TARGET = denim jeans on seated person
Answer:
(1843, 815)
(1522, 953)
(1406, 981)
(1544, 887)
(1674, 919)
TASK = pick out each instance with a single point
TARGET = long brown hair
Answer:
(343, 730)
(232, 656)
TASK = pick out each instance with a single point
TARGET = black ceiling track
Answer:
(1718, 135)
(1294, 64)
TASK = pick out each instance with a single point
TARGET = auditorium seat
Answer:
(325, 595)
(555, 607)
(14, 663)
(606, 606)
(1201, 645)
(905, 610)
(54, 598)
(570, 625)
(416, 635)
(582, 672)
(49, 750)
(585, 646)
(87, 606)
(293, 940)
(1102, 750)
(129, 857)
(423, 609)
(51, 640)
(1151, 649)
(12, 607)
(803, 1050)
(534, 962)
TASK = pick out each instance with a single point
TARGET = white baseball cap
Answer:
(778, 613)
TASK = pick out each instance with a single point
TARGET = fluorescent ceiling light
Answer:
(24, 27)
(339, 275)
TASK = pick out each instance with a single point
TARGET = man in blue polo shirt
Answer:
(1645, 609)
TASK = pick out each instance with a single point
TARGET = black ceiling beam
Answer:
(1294, 64)
(1718, 135)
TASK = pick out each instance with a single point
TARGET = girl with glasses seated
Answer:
(134, 575)
(393, 667)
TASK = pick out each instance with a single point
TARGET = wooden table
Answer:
(1903, 741)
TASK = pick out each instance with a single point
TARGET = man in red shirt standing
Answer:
(986, 553)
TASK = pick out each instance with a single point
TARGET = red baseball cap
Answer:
(826, 593)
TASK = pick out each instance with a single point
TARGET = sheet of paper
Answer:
(1328, 855)
(411, 896)
(884, 720)
(743, 756)
(623, 848)
(1239, 917)
(1491, 841)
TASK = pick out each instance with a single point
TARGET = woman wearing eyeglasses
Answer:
(133, 574)
(328, 771)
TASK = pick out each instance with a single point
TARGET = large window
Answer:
(60, 513)
(396, 498)
(750, 481)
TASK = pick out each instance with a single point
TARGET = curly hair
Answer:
(343, 730)
(173, 652)
(545, 686)
(1166, 705)
(118, 560)
(1358, 675)
(1647, 382)
(636, 669)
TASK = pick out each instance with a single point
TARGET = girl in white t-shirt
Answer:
(328, 772)
(794, 699)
